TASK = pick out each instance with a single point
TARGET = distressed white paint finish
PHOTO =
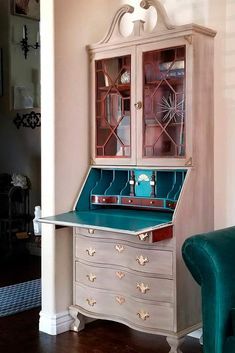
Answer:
(100, 251)
(132, 283)
(141, 315)
(194, 212)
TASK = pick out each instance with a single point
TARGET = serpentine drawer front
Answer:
(142, 238)
(131, 283)
(117, 253)
(94, 233)
(117, 305)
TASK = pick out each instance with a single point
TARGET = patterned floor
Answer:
(20, 297)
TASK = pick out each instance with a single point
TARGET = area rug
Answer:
(20, 297)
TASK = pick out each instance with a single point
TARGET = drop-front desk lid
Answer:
(115, 220)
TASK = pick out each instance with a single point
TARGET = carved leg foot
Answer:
(79, 319)
(175, 343)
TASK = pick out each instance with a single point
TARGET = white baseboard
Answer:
(55, 324)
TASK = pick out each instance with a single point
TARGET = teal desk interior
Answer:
(111, 200)
(119, 220)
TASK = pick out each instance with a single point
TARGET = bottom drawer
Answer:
(152, 315)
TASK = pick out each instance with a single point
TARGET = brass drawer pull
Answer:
(91, 301)
(90, 251)
(143, 315)
(91, 277)
(120, 300)
(119, 248)
(120, 274)
(142, 287)
(142, 260)
(143, 236)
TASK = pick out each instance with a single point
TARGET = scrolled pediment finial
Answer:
(114, 30)
(163, 21)
(114, 34)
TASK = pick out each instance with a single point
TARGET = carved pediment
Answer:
(162, 22)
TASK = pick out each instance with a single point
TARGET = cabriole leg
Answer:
(175, 343)
(79, 320)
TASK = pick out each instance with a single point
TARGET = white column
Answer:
(66, 28)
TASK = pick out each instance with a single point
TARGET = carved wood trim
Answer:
(114, 33)
(189, 39)
(114, 29)
(163, 21)
(189, 162)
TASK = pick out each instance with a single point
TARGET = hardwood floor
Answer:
(19, 333)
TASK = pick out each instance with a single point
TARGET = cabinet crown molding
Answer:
(162, 28)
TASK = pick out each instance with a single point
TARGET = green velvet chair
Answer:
(210, 257)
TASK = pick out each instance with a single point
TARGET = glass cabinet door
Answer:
(163, 124)
(113, 118)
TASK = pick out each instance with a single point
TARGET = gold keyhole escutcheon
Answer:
(138, 105)
(142, 260)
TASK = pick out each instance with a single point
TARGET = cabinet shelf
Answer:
(171, 80)
(151, 123)
(120, 87)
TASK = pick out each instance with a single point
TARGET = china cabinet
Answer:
(146, 92)
(140, 104)
(150, 184)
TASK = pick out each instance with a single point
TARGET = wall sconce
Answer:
(25, 46)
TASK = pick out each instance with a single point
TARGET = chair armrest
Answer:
(210, 258)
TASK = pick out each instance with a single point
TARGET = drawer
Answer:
(142, 238)
(130, 201)
(149, 315)
(104, 199)
(152, 203)
(147, 202)
(171, 204)
(116, 253)
(129, 283)
(96, 233)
